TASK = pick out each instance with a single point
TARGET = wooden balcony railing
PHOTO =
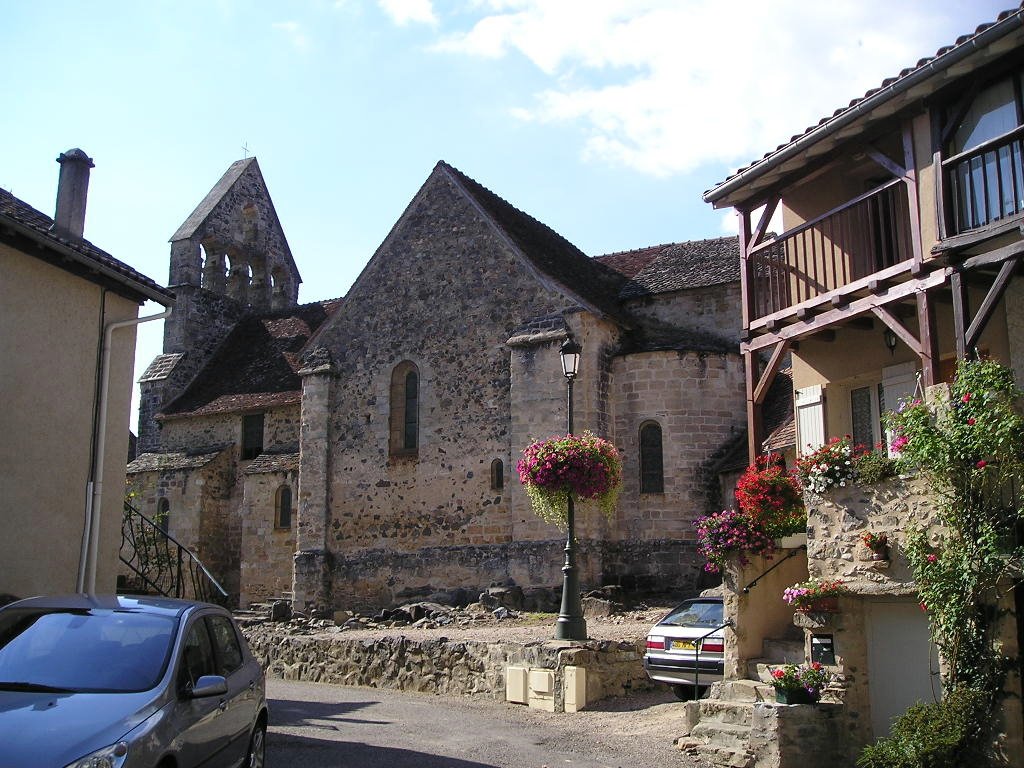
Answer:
(986, 183)
(864, 236)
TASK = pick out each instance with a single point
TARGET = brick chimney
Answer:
(72, 191)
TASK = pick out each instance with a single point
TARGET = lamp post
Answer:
(570, 624)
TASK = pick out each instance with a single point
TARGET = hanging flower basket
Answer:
(586, 466)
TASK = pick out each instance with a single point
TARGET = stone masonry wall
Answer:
(446, 293)
(712, 309)
(699, 402)
(445, 666)
(267, 551)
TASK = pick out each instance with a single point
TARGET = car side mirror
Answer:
(209, 685)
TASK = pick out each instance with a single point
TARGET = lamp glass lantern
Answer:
(570, 352)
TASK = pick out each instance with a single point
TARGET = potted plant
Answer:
(800, 684)
(587, 466)
(878, 543)
(833, 465)
(815, 595)
(728, 533)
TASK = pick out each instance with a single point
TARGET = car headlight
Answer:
(108, 757)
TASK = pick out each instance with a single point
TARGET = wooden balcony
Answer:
(985, 184)
(844, 247)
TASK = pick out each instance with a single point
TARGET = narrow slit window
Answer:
(405, 409)
(652, 475)
(283, 508)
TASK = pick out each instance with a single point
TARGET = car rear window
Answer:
(84, 650)
(696, 613)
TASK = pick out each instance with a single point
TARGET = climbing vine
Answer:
(971, 448)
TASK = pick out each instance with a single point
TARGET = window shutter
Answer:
(810, 418)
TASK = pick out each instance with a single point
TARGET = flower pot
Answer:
(820, 605)
(794, 696)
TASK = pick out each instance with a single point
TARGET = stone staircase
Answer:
(719, 726)
(274, 609)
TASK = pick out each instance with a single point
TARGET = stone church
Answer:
(358, 452)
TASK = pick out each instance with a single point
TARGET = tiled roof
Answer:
(676, 266)
(274, 462)
(256, 366)
(889, 88)
(779, 423)
(161, 366)
(547, 250)
(160, 462)
(22, 218)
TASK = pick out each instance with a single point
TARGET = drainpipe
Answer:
(91, 537)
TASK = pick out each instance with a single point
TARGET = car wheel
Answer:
(257, 746)
(683, 692)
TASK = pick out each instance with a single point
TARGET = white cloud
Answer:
(665, 86)
(403, 12)
(295, 33)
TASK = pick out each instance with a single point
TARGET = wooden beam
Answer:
(890, 165)
(961, 313)
(746, 270)
(997, 256)
(914, 211)
(929, 339)
(755, 411)
(988, 305)
(856, 307)
(766, 379)
(951, 246)
(762, 225)
(898, 328)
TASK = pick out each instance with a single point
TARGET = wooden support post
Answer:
(961, 313)
(929, 339)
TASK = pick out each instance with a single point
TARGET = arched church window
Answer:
(404, 419)
(497, 475)
(652, 475)
(283, 507)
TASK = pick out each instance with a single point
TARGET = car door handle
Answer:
(252, 685)
(222, 705)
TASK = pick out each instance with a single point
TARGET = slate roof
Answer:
(547, 250)
(192, 459)
(653, 337)
(18, 217)
(779, 422)
(266, 463)
(256, 366)
(676, 266)
(890, 87)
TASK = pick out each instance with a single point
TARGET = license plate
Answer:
(682, 645)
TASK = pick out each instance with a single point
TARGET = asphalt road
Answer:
(315, 726)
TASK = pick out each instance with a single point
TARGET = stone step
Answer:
(716, 734)
(719, 757)
(745, 691)
(729, 712)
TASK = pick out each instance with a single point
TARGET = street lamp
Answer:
(570, 624)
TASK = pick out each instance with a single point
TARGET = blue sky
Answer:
(605, 119)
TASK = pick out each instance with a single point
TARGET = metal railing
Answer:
(855, 240)
(794, 553)
(986, 183)
(161, 564)
(698, 643)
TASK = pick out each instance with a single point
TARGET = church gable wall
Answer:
(444, 293)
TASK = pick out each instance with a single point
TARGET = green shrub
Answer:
(874, 467)
(949, 734)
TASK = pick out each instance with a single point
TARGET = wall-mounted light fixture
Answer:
(890, 340)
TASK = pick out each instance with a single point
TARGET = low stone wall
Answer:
(444, 665)
(797, 737)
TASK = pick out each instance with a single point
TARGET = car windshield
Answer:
(83, 650)
(696, 613)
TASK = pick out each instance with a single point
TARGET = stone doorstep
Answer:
(745, 691)
(717, 755)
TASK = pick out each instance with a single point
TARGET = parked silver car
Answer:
(677, 655)
(122, 682)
